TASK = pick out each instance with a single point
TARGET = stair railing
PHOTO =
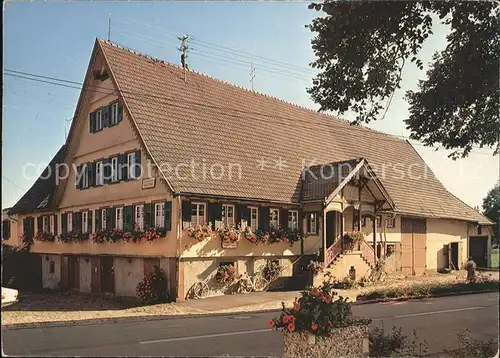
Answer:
(333, 251)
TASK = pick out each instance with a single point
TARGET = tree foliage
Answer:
(491, 207)
(362, 47)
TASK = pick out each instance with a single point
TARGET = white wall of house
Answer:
(441, 232)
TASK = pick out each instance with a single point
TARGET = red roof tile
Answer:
(211, 121)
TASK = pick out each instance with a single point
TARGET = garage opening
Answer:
(478, 249)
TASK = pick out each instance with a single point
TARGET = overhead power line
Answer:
(225, 49)
(13, 183)
(217, 57)
(173, 103)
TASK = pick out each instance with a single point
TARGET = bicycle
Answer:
(247, 284)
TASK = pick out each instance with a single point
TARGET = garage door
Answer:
(413, 245)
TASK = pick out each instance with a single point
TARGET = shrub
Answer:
(472, 348)
(427, 289)
(315, 267)
(317, 311)
(272, 270)
(153, 288)
(395, 344)
(345, 284)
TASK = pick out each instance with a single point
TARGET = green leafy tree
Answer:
(491, 207)
(362, 47)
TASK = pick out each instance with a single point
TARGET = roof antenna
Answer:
(184, 52)
(109, 28)
(252, 73)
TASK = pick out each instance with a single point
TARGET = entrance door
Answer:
(107, 275)
(478, 249)
(330, 228)
(73, 273)
(413, 245)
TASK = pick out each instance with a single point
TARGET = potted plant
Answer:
(320, 324)
(352, 240)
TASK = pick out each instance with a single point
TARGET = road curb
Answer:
(381, 300)
(18, 326)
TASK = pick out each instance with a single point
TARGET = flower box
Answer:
(228, 244)
(350, 341)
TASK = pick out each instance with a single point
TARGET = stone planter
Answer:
(349, 341)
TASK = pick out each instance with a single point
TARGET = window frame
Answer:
(277, 211)
(131, 161)
(159, 219)
(113, 109)
(114, 169)
(391, 223)
(99, 173)
(225, 215)
(45, 224)
(85, 176)
(378, 221)
(252, 208)
(98, 119)
(69, 218)
(139, 220)
(312, 229)
(198, 206)
(52, 224)
(104, 219)
(119, 218)
(296, 212)
(85, 221)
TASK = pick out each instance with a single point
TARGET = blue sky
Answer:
(56, 39)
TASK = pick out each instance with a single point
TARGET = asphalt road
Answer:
(436, 320)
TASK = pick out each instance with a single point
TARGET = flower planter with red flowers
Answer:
(73, 236)
(230, 237)
(275, 236)
(45, 237)
(321, 324)
(200, 232)
(115, 235)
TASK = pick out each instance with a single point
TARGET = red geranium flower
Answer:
(291, 327)
(314, 326)
(270, 323)
(327, 299)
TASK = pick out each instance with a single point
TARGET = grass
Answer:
(495, 263)
(428, 289)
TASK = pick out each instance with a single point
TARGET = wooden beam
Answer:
(344, 182)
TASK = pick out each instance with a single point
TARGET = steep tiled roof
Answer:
(211, 121)
(39, 197)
